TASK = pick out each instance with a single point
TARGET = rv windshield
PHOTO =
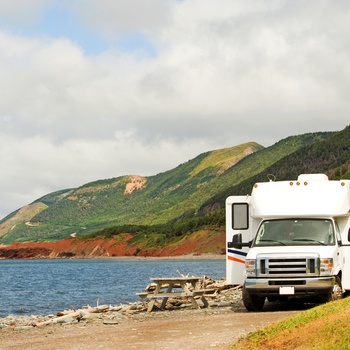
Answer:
(295, 232)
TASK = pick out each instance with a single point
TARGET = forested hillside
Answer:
(170, 206)
(330, 156)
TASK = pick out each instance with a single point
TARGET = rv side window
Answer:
(240, 214)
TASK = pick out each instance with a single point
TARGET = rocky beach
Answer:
(109, 314)
(130, 326)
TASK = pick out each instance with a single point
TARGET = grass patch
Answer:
(324, 327)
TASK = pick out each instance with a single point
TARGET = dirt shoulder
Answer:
(215, 327)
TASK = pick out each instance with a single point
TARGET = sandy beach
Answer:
(172, 330)
(216, 327)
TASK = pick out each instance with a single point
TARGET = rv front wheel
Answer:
(337, 289)
(337, 292)
(252, 302)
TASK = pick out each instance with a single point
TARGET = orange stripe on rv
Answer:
(235, 259)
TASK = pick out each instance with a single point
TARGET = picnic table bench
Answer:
(175, 287)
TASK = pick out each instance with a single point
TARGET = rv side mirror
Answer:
(236, 241)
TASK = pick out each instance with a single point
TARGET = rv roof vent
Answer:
(312, 177)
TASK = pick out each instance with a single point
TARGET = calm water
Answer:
(49, 286)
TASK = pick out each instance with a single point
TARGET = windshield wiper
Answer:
(272, 240)
(308, 240)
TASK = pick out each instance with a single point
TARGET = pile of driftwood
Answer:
(220, 286)
(70, 316)
(89, 313)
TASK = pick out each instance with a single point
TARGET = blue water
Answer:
(47, 286)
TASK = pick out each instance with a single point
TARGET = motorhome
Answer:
(290, 239)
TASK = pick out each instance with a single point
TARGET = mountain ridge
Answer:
(69, 206)
(166, 208)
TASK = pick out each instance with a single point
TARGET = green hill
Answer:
(177, 201)
(330, 156)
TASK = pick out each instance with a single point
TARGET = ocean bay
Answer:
(49, 286)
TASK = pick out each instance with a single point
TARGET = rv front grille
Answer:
(290, 266)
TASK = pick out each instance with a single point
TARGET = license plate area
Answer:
(286, 290)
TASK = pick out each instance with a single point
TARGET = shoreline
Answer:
(201, 258)
(171, 257)
(130, 308)
(207, 256)
(138, 306)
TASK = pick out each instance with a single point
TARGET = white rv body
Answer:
(289, 238)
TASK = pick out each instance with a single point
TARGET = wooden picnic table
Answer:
(175, 287)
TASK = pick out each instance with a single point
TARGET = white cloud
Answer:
(25, 12)
(222, 75)
(115, 17)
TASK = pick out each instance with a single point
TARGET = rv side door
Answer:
(239, 234)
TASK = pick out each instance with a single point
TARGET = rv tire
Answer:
(336, 293)
(252, 302)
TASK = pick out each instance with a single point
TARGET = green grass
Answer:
(323, 327)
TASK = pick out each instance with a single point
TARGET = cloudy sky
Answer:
(94, 89)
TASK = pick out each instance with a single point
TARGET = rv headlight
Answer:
(326, 266)
(250, 267)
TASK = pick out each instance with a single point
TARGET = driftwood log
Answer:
(68, 318)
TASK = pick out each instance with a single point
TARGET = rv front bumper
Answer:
(290, 286)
